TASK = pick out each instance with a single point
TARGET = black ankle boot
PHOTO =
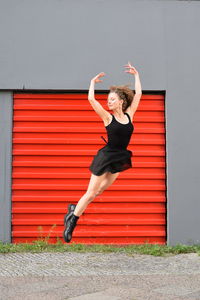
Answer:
(71, 224)
(71, 209)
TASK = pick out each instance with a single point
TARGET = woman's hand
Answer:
(92, 82)
(131, 70)
(96, 78)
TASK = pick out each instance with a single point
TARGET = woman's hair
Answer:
(124, 93)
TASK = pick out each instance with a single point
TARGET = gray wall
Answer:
(63, 44)
(6, 108)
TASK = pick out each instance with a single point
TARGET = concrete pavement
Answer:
(95, 276)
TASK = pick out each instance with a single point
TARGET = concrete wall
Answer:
(60, 44)
(6, 108)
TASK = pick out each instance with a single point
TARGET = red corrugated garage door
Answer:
(55, 137)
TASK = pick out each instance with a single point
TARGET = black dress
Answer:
(114, 157)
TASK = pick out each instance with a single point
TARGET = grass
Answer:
(42, 245)
(39, 246)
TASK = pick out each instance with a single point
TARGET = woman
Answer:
(114, 157)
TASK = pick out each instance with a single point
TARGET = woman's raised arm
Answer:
(138, 89)
(133, 71)
(92, 83)
(98, 108)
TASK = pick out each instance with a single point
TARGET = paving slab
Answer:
(86, 276)
(96, 296)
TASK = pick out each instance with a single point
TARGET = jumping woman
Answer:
(114, 157)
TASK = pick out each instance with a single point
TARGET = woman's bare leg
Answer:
(96, 186)
(95, 182)
(110, 178)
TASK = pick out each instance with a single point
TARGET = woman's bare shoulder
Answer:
(108, 120)
(130, 113)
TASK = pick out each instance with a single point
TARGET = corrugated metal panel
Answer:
(55, 137)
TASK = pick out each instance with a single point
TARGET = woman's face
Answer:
(113, 101)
